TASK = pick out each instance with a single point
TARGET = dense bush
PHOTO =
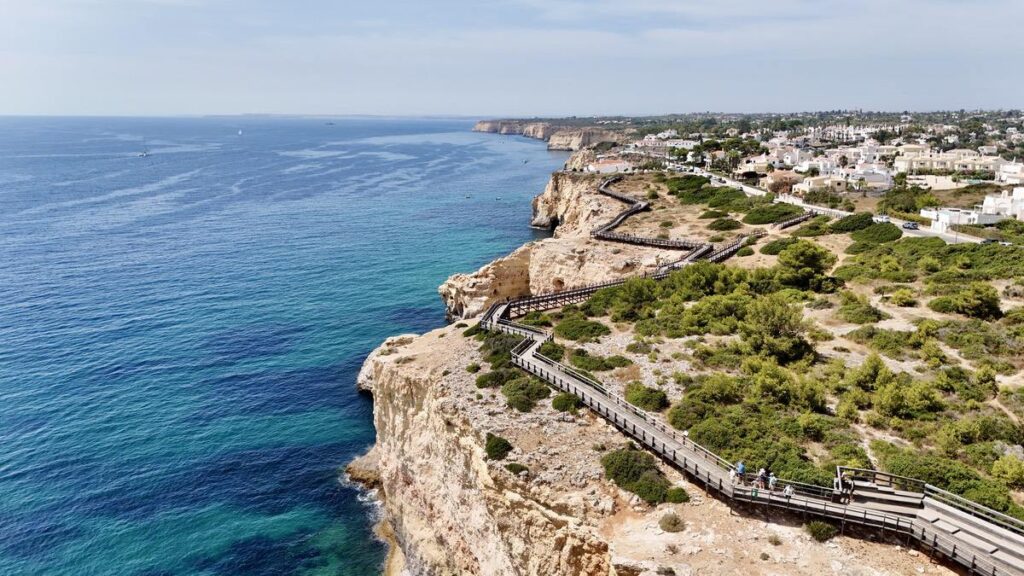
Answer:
(821, 531)
(497, 377)
(566, 402)
(1009, 469)
(552, 350)
(878, 233)
(803, 263)
(473, 368)
(771, 213)
(579, 329)
(580, 358)
(857, 310)
(745, 251)
(638, 472)
(679, 495)
(723, 224)
(776, 328)
(497, 349)
(711, 214)
(977, 300)
(472, 331)
(535, 318)
(645, 397)
(496, 447)
(524, 392)
(852, 223)
(774, 247)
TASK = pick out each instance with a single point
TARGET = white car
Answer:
(880, 219)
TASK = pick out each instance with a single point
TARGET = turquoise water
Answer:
(180, 332)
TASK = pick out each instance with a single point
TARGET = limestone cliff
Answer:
(448, 508)
(571, 204)
(538, 130)
(578, 138)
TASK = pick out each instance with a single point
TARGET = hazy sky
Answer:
(506, 57)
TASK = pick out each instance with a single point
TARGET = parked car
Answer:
(989, 241)
(881, 219)
(910, 226)
(1005, 243)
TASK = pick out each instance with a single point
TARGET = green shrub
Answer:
(646, 398)
(857, 310)
(497, 349)
(677, 495)
(745, 251)
(776, 328)
(497, 378)
(552, 350)
(977, 300)
(723, 224)
(639, 347)
(535, 318)
(496, 447)
(878, 233)
(566, 402)
(671, 522)
(579, 329)
(1009, 469)
(852, 223)
(638, 472)
(821, 531)
(472, 331)
(771, 213)
(712, 214)
(473, 368)
(904, 298)
(516, 468)
(774, 247)
(666, 224)
(580, 358)
(524, 392)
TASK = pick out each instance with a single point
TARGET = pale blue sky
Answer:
(506, 57)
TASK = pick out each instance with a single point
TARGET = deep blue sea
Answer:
(180, 332)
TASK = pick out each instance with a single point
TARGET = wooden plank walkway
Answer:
(981, 540)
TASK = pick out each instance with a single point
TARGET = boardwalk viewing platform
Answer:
(976, 538)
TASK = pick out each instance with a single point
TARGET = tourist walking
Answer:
(788, 491)
(732, 476)
(772, 479)
(741, 468)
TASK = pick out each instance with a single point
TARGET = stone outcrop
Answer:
(448, 508)
(538, 130)
(469, 295)
(571, 204)
(578, 138)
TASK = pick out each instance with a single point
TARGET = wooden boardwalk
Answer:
(981, 540)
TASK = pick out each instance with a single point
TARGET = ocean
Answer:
(184, 306)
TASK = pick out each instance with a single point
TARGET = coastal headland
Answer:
(478, 478)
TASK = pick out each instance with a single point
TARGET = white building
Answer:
(958, 160)
(1006, 203)
(1011, 173)
(944, 218)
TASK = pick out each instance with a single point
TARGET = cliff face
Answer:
(449, 509)
(538, 130)
(579, 138)
(572, 204)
